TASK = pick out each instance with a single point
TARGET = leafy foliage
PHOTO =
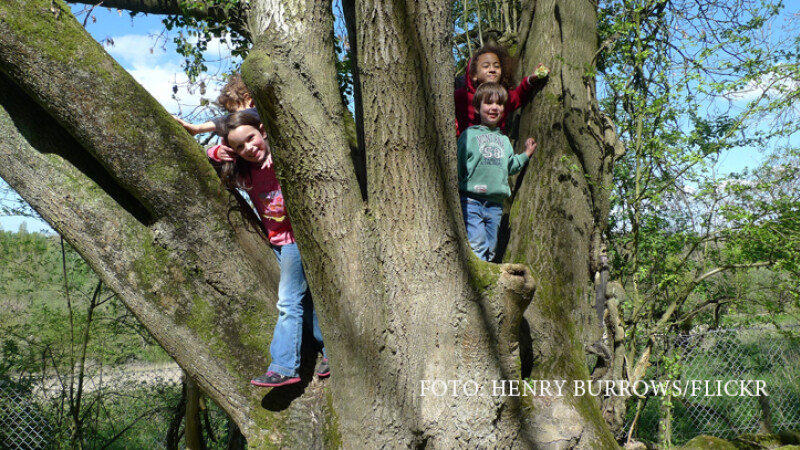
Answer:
(195, 35)
(691, 247)
(35, 314)
(665, 70)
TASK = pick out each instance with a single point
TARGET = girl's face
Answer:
(248, 142)
(491, 112)
(487, 68)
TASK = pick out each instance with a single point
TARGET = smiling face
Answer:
(487, 68)
(491, 112)
(248, 142)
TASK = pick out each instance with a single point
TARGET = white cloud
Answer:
(218, 49)
(159, 81)
(770, 85)
(158, 69)
(136, 49)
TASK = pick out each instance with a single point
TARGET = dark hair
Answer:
(235, 174)
(233, 94)
(236, 120)
(489, 92)
(507, 64)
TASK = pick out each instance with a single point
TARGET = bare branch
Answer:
(717, 270)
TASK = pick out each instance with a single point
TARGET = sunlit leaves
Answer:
(195, 35)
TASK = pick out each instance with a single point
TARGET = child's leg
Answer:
(493, 213)
(476, 228)
(310, 319)
(288, 334)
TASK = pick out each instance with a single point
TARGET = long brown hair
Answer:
(236, 174)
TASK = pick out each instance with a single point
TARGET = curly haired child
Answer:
(493, 64)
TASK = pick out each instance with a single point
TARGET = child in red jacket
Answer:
(492, 63)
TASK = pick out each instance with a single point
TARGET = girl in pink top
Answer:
(251, 169)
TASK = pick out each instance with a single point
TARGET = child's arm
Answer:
(515, 162)
(540, 73)
(221, 153)
(193, 129)
(522, 94)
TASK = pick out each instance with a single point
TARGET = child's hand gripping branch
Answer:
(195, 129)
(530, 147)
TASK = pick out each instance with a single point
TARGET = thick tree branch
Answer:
(199, 10)
(35, 161)
(114, 118)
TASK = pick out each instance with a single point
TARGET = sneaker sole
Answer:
(324, 375)
(284, 383)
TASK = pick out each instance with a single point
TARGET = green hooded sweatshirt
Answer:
(485, 160)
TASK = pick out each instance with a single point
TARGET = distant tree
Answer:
(672, 78)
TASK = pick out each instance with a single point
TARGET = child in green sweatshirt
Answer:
(485, 160)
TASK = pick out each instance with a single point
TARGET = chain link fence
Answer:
(23, 424)
(725, 404)
(128, 407)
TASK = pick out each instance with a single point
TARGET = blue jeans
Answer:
(482, 219)
(295, 311)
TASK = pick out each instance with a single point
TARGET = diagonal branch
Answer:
(199, 10)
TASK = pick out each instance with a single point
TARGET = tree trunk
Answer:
(401, 298)
(560, 211)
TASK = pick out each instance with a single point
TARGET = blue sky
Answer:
(143, 46)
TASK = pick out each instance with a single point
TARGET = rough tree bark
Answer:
(400, 296)
(560, 211)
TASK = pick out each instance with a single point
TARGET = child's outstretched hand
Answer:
(540, 73)
(194, 129)
(186, 125)
(267, 162)
(530, 147)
